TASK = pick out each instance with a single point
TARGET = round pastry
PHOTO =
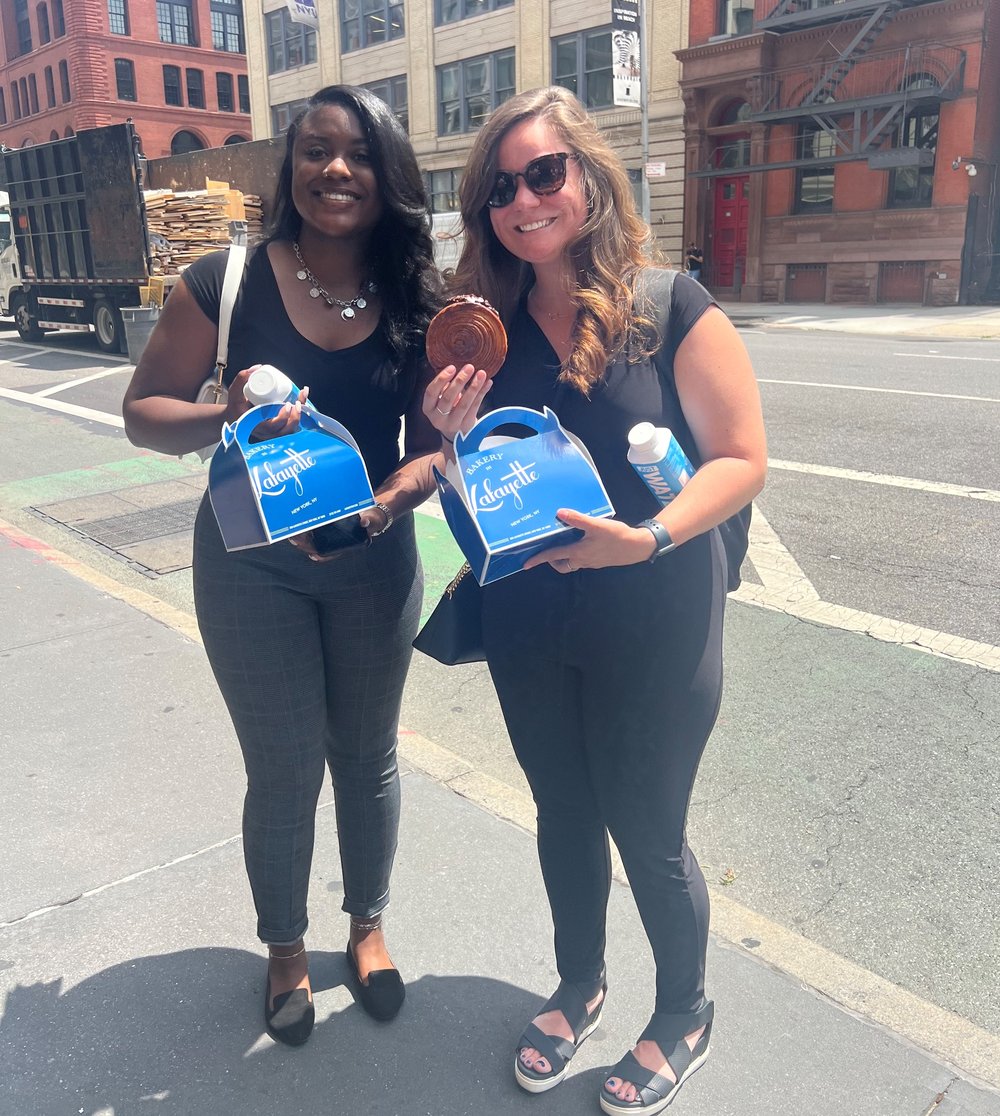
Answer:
(467, 330)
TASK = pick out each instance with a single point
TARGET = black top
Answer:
(356, 386)
(625, 395)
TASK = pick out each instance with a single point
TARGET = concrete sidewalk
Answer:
(971, 323)
(131, 980)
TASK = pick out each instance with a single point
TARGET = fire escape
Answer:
(856, 96)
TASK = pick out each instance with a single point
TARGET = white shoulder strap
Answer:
(230, 288)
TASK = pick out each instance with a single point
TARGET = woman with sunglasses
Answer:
(606, 653)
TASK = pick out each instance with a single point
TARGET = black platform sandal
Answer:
(568, 999)
(293, 1015)
(655, 1092)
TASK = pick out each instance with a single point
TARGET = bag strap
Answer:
(235, 263)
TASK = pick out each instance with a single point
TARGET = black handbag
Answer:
(453, 633)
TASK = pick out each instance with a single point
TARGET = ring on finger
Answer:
(440, 412)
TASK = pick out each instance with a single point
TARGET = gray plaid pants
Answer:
(311, 658)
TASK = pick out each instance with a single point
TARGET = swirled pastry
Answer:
(467, 330)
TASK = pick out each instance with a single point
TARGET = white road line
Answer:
(942, 356)
(774, 564)
(941, 644)
(940, 487)
(63, 407)
(84, 380)
(885, 391)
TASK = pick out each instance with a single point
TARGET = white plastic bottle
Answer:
(268, 384)
(657, 457)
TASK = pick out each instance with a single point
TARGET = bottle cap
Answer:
(642, 435)
(267, 384)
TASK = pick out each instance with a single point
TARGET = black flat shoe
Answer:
(291, 1019)
(383, 995)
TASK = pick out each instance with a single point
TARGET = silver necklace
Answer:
(317, 290)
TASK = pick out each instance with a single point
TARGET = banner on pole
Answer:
(303, 11)
(625, 69)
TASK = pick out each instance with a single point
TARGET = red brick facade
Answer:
(81, 62)
(868, 232)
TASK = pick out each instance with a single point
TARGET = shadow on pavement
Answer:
(181, 1034)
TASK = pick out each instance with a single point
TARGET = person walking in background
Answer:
(695, 261)
(606, 652)
(311, 653)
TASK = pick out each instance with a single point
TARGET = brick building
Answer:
(844, 151)
(177, 68)
(443, 65)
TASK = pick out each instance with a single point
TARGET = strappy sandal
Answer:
(568, 999)
(655, 1092)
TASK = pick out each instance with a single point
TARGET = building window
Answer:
(393, 92)
(33, 93)
(581, 63)
(184, 142)
(450, 11)
(125, 79)
(288, 44)
(912, 187)
(58, 19)
(814, 184)
(42, 15)
(231, 141)
(470, 90)
(172, 85)
(227, 26)
(195, 88)
(283, 115)
(64, 81)
(118, 17)
(364, 23)
(735, 17)
(3, 108)
(50, 88)
(224, 92)
(243, 91)
(442, 189)
(173, 18)
(15, 98)
(23, 22)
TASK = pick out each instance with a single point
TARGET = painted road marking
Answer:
(780, 573)
(939, 487)
(944, 356)
(63, 407)
(84, 380)
(885, 391)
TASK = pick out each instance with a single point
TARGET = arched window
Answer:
(235, 139)
(68, 133)
(734, 112)
(42, 16)
(53, 136)
(185, 141)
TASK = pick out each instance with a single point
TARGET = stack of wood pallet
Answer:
(194, 222)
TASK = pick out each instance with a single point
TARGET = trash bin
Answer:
(139, 322)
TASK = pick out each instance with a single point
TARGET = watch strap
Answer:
(661, 537)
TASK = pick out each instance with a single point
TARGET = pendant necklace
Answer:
(542, 310)
(317, 290)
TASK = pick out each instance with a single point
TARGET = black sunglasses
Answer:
(544, 175)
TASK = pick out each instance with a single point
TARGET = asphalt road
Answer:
(852, 784)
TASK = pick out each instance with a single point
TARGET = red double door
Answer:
(731, 220)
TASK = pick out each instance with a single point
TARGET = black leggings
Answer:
(610, 683)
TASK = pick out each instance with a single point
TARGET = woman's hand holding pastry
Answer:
(605, 542)
(453, 398)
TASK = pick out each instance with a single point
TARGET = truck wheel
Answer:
(27, 325)
(109, 327)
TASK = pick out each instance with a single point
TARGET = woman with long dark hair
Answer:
(311, 652)
(606, 652)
